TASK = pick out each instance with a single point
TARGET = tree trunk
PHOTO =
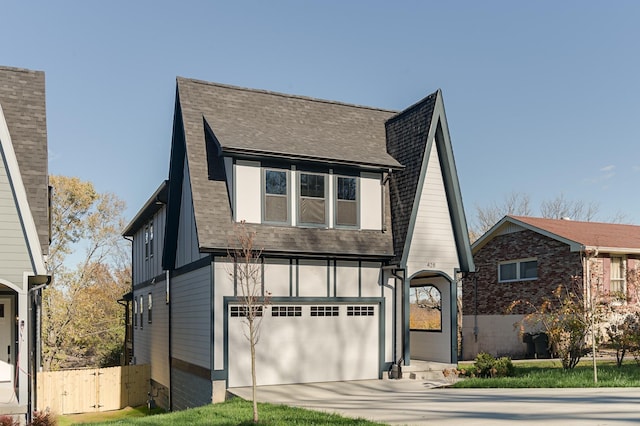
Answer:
(252, 343)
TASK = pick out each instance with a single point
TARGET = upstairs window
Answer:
(276, 196)
(312, 205)
(346, 201)
(518, 270)
(618, 281)
(151, 239)
(146, 241)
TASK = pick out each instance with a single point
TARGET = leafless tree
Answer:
(515, 203)
(246, 259)
(561, 207)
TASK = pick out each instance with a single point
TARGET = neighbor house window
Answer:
(425, 308)
(149, 305)
(618, 276)
(276, 196)
(312, 205)
(518, 270)
(346, 201)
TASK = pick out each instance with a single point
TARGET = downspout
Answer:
(37, 343)
(133, 340)
(169, 338)
(384, 197)
(394, 269)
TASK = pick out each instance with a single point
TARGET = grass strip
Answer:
(550, 374)
(239, 412)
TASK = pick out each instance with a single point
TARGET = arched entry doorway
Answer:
(431, 315)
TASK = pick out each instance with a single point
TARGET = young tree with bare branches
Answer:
(246, 259)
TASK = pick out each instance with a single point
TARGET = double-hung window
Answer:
(151, 239)
(346, 201)
(312, 199)
(617, 286)
(276, 196)
(518, 270)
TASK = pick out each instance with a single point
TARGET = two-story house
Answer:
(527, 258)
(359, 217)
(24, 234)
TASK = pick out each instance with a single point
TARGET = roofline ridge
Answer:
(593, 222)
(286, 95)
(17, 69)
(415, 105)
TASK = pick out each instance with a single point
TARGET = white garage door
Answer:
(306, 343)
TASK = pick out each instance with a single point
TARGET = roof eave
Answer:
(152, 205)
(249, 153)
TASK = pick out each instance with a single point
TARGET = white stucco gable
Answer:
(19, 242)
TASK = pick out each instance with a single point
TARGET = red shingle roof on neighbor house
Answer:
(599, 235)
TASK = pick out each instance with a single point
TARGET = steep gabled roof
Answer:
(241, 122)
(410, 134)
(22, 97)
(606, 237)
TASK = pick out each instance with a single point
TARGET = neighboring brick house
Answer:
(526, 258)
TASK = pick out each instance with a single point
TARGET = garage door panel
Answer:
(305, 348)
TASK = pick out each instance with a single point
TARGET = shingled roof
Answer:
(22, 96)
(287, 126)
(603, 236)
(266, 124)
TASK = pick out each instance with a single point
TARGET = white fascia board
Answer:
(15, 179)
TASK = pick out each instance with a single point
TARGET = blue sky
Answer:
(542, 98)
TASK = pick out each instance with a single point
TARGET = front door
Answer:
(7, 355)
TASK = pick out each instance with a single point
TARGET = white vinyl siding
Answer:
(14, 254)
(432, 243)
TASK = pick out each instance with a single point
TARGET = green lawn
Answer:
(233, 412)
(549, 374)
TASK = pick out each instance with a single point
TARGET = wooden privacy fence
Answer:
(100, 389)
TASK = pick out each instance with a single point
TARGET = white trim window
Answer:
(151, 239)
(618, 282)
(275, 207)
(146, 241)
(518, 270)
(346, 201)
(312, 199)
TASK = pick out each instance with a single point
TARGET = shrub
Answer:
(504, 367)
(8, 421)
(486, 365)
(43, 418)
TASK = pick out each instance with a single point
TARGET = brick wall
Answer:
(556, 266)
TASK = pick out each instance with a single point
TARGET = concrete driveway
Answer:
(414, 402)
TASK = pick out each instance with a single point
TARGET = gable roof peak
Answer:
(281, 94)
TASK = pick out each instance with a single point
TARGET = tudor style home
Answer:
(527, 258)
(24, 234)
(359, 215)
